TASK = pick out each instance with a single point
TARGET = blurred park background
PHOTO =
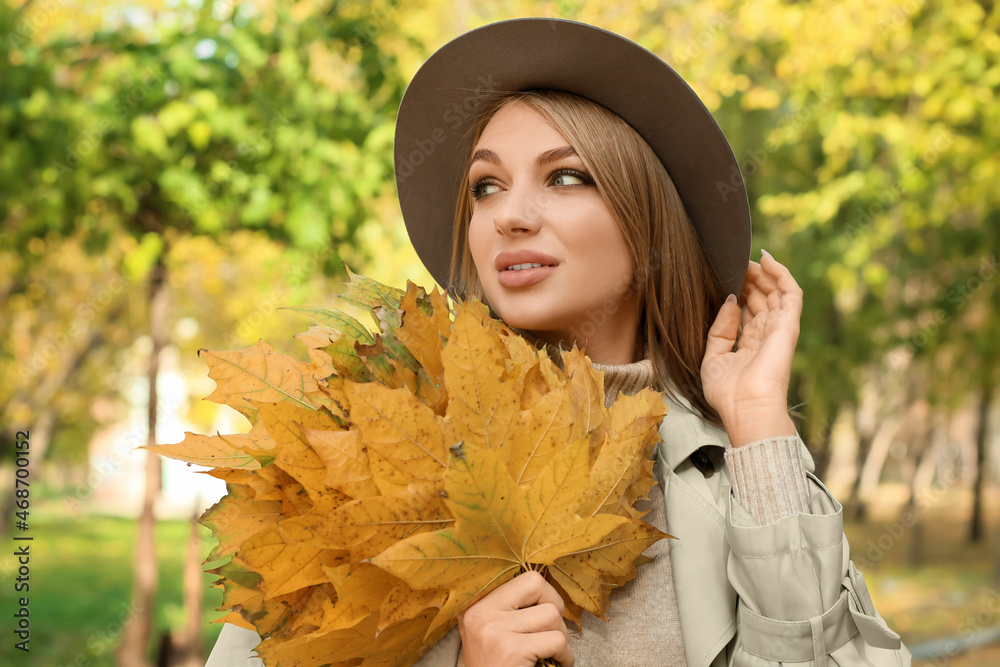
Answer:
(174, 171)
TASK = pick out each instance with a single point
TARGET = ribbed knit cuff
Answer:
(768, 478)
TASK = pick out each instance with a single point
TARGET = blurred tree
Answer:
(868, 136)
(166, 123)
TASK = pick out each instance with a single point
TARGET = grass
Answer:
(81, 587)
(81, 580)
(926, 580)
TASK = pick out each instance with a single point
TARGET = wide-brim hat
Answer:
(433, 129)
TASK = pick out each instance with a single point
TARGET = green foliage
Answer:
(868, 135)
(129, 139)
(202, 125)
(867, 132)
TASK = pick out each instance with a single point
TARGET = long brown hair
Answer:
(679, 295)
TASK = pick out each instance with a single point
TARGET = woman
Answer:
(600, 205)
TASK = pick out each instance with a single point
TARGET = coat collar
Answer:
(695, 505)
(684, 431)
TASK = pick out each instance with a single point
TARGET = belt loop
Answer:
(819, 643)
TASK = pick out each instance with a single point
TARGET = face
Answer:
(550, 256)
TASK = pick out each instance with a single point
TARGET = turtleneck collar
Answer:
(629, 378)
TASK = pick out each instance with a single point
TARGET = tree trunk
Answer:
(135, 638)
(976, 529)
(920, 441)
(854, 506)
(996, 564)
(878, 450)
(190, 648)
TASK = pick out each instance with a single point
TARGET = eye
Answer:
(570, 177)
(482, 187)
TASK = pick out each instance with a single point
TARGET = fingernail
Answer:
(764, 253)
(731, 298)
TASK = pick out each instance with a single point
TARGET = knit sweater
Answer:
(644, 621)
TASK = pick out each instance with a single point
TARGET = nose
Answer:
(520, 211)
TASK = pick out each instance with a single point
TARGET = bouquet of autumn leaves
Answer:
(400, 476)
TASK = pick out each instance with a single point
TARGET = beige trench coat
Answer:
(759, 595)
(748, 595)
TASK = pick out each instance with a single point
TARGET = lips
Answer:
(523, 277)
(506, 259)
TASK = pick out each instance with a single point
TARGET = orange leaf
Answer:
(284, 568)
(419, 332)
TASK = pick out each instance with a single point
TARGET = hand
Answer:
(516, 625)
(748, 387)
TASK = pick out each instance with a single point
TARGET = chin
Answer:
(539, 319)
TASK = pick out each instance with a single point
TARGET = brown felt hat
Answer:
(433, 130)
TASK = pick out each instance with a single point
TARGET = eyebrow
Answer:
(487, 155)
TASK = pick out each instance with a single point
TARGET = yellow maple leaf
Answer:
(404, 473)
(257, 373)
(240, 450)
(484, 399)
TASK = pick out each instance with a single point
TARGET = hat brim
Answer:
(433, 137)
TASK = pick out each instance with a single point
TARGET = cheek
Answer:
(479, 241)
(604, 245)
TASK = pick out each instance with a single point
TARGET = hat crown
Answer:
(437, 114)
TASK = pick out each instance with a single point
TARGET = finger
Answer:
(745, 317)
(758, 276)
(527, 589)
(543, 617)
(791, 293)
(553, 644)
(779, 274)
(722, 334)
(756, 288)
(756, 301)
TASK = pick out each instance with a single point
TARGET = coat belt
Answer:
(797, 641)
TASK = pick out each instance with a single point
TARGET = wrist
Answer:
(746, 425)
